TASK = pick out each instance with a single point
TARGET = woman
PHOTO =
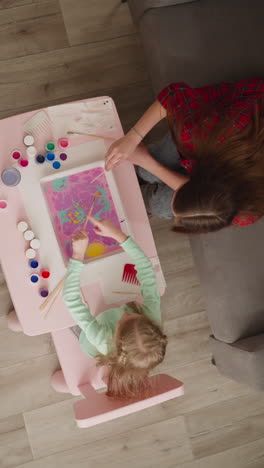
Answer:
(209, 171)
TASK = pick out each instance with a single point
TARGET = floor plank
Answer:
(14, 444)
(58, 419)
(222, 426)
(174, 249)
(17, 347)
(161, 444)
(53, 75)
(186, 348)
(185, 324)
(5, 300)
(183, 295)
(26, 385)
(204, 385)
(249, 456)
(31, 29)
(88, 23)
(16, 3)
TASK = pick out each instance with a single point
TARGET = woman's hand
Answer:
(106, 228)
(123, 148)
(140, 156)
(80, 242)
(120, 150)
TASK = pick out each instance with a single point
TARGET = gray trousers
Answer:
(157, 195)
(76, 330)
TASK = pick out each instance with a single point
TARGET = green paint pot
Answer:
(50, 146)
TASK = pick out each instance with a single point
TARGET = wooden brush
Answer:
(97, 177)
(53, 294)
(89, 214)
(126, 292)
(90, 135)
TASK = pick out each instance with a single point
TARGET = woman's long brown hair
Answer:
(228, 174)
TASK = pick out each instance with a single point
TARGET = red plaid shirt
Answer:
(238, 99)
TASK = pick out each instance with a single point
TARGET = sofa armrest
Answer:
(139, 7)
(242, 361)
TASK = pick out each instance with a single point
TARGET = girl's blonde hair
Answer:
(139, 347)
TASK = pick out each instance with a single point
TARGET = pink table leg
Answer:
(58, 382)
(13, 322)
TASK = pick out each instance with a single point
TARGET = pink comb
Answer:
(130, 274)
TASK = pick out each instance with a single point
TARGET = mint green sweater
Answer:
(97, 332)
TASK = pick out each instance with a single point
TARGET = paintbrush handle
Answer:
(126, 292)
(97, 177)
(89, 214)
(52, 302)
(90, 135)
(52, 294)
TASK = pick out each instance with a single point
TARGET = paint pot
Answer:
(35, 244)
(11, 176)
(29, 235)
(30, 253)
(56, 165)
(22, 226)
(3, 205)
(23, 162)
(50, 146)
(43, 292)
(63, 156)
(33, 264)
(40, 159)
(29, 140)
(31, 151)
(45, 274)
(34, 278)
(16, 155)
(63, 143)
(50, 156)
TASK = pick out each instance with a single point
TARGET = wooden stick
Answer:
(97, 176)
(52, 302)
(126, 292)
(52, 294)
(89, 214)
(90, 135)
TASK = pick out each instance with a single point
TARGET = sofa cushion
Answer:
(139, 7)
(203, 42)
(241, 361)
(230, 264)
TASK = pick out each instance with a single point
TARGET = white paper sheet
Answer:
(95, 117)
(114, 282)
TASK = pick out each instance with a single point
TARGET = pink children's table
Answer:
(25, 203)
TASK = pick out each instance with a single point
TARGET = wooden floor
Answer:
(57, 51)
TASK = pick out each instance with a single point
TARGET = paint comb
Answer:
(39, 124)
(130, 274)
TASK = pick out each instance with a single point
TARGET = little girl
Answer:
(128, 339)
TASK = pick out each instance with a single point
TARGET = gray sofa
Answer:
(204, 42)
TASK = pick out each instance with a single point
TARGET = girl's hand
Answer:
(80, 242)
(120, 150)
(106, 228)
